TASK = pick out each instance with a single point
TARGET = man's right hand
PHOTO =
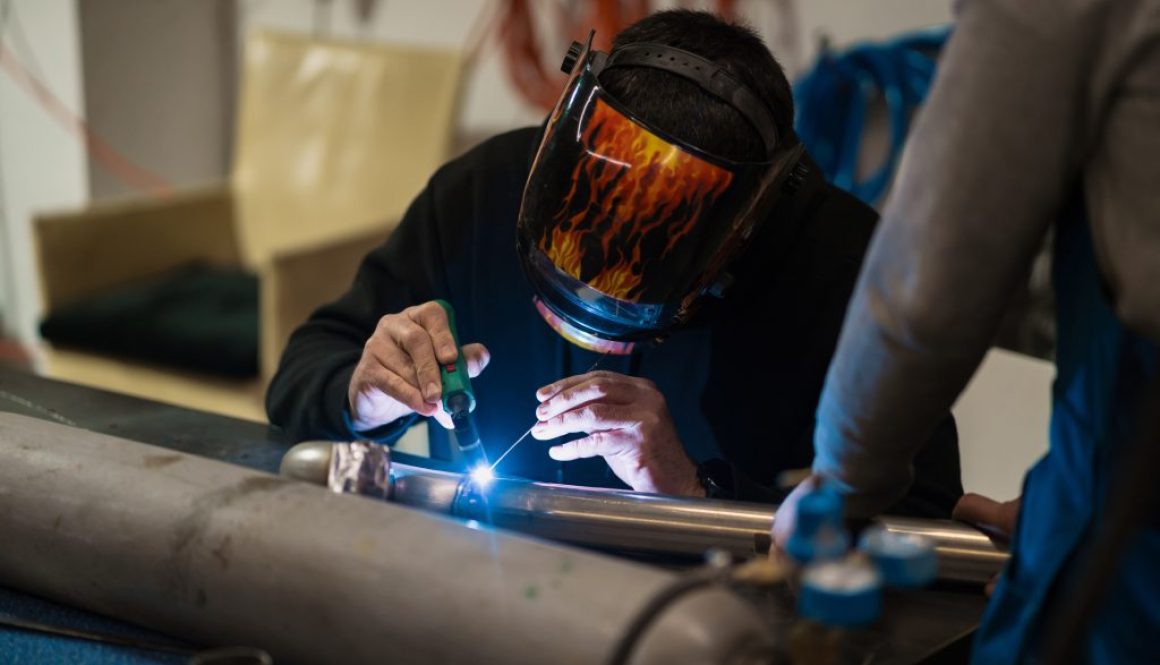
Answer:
(398, 373)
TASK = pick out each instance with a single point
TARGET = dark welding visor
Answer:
(623, 229)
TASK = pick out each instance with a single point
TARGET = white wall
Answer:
(1002, 418)
(42, 164)
(158, 84)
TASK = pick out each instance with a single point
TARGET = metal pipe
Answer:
(965, 554)
(622, 521)
(217, 553)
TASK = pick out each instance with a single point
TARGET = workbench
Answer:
(929, 626)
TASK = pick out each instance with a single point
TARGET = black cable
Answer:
(656, 606)
(1132, 501)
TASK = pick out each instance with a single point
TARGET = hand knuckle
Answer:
(430, 311)
(414, 336)
(393, 383)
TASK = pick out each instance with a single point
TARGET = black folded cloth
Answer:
(200, 317)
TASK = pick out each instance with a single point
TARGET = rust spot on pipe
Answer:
(159, 461)
(222, 552)
(190, 531)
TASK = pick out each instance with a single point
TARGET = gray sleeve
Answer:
(986, 170)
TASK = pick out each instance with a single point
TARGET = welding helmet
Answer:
(624, 229)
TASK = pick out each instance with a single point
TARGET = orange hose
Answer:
(106, 155)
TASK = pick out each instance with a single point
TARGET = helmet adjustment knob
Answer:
(571, 57)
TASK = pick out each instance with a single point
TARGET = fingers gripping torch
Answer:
(459, 400)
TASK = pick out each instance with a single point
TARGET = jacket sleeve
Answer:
(308, 395)
(985, 172)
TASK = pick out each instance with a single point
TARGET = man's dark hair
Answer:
(680, 107)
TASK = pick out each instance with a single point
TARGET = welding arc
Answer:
(525, 434)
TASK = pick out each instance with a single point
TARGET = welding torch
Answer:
(459, 400)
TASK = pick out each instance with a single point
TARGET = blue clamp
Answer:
(819, 532)
(843, 594)
(905, 560)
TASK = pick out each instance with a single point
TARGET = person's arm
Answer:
(309, 394)
(936, 490)
(987, 168)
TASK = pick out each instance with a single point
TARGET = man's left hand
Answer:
(628, 424)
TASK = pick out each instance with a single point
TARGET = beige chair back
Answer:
(108, 244)
(335, 138)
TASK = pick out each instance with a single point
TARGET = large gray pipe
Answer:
(218, 554)
(632, 522)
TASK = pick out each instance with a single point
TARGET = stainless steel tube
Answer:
(648, 523)
(632, 522)
(603, 518)
(965, 554)
(221, 554)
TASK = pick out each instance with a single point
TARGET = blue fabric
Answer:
(21, 647)
(832, 99)
(1103, 373)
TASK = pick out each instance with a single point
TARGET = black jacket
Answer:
(742, 382)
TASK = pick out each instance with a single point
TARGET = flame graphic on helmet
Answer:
(629, 188)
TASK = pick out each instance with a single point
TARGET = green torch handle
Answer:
(456, 382)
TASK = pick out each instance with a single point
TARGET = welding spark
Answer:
(482, 475)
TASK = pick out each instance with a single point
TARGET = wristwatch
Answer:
(716, 478)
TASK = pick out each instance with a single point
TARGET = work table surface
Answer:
(928, 626)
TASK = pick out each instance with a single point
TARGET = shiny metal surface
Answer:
(622, 521)
(618, 520)
(308, 461)
(965, 554)
(360, 467)
(424, 488)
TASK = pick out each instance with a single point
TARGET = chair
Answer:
(333, 141)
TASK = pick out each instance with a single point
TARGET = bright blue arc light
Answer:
(482, 475)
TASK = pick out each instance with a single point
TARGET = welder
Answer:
(1044, 118)
(665, 225)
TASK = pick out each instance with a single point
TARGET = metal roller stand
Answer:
(623, 521)
(220, 554)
